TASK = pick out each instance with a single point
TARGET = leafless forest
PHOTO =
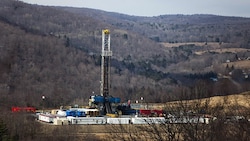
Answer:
(55, 52)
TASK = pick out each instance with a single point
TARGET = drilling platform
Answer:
(104, 109)
(104, 100)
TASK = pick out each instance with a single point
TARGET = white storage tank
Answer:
(61, 113)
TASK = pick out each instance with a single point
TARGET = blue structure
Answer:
(99, 99)
(114, 100)
(75, 113)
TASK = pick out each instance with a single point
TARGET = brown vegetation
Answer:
(55, 52)
(241, 64)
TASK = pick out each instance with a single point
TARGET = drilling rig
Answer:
(104, 100)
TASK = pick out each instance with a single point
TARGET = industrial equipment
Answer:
(104, 100)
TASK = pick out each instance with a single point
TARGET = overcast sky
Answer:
(158, 7)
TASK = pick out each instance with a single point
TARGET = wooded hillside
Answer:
(55, 52)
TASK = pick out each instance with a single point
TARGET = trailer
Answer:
(148, 120)
(86, 120)
(118, 120)
(46, 118)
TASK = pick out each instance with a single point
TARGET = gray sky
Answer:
(158, 7)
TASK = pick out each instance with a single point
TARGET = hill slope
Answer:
(45, 51)
(52, 52)
(177, 28)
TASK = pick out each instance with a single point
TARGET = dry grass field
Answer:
(228, 102)
(223, 50)
(237, 100)
(201, 44)
(241, 64)
(210, 47)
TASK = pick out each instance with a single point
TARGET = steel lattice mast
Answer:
(105, 70)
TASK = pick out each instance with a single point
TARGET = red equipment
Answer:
(23, 109)
(151, 112)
